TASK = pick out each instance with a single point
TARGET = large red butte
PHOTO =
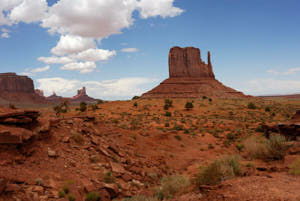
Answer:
(190, 77)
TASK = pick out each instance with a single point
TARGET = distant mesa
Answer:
(190, 77)
(82, 96)
(14, 87)
(20, 89)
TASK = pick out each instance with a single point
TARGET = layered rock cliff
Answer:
(16, 88)
(190, 77)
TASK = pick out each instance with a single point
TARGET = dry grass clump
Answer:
(266, 149)
(218, 171)
(295, 168)
(141, 198)
(171, 186)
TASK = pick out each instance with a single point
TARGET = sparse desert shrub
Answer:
(140, 198)
(168, 114)
(268, 109)
(251, 106)
(12, 106)
(66, 189)
(168, 104)
(63, 107)
(178, 127)
(82, 106)
(100, 101)
(218, 171)
(266, 149)
(135, 97)
(109, 178)
(178, 137)
(189, 105)
(259, 129)
(172, 185)
(94, 107)
(295, 168)
(210, 100)
(71, 197)
(231, 136)
(39, 181)
(92, 196)
(239, 147)
(135, 104)
(204, 97)
(61, 194)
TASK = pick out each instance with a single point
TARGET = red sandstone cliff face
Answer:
(187, 62)
(10, 82)
(190, 77)
(15, 88)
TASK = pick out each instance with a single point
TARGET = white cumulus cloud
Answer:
(29, 11)
(271, 86)
(290, 71)
(33, 71)
(129, 50)
(82, 67)
(72, 44)
(56, 60)
(94, 55)
(163, 8)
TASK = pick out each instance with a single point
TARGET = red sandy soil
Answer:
(137, 147)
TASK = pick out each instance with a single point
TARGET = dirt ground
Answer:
(125, 148)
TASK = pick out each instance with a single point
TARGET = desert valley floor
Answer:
(149, 151)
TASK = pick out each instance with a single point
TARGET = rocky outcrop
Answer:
(18, 88)
(187, 62)
(10, 82)
(190, 77)
(290, 129)
(82, 96)
(54, 98)
(40, 92)
(15, 124)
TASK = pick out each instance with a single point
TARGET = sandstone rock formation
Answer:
(18, 88)
(82, 96)
(290, 129)
(54, 98)
(190, 77)
(14, 125)
(39, 92)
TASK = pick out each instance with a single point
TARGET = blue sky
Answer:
(119, 48)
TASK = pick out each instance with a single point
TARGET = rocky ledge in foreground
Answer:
(15, 125)
(290, 129)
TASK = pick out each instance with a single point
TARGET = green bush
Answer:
(109, 178)
(63, 107)
(189, 105)
(268, 109)
(71, 197)
(168, 114)
(94, 107)
(172, 185)
(66, 189)
(135, 104)
(100, 101)
(92, 196)
(295, 168)
(135, 97)
(218, 171)
(82, 106)
(251, 106)
(61, 194)
(168, 104)
(178, 137)
(204, 97)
